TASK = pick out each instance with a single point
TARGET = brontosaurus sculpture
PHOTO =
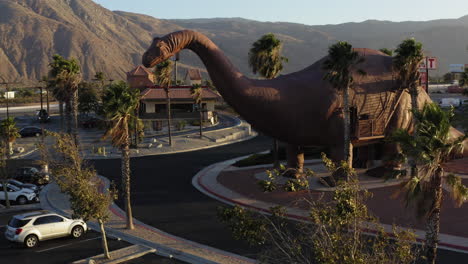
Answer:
(301, 108)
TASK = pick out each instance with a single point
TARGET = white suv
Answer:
(30, 228)
(20, 195)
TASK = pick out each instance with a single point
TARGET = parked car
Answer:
(31, 175)
(30, 131)
(30, 228)
(42, 116)
(19, 195)
(448, 102)
(19, 184)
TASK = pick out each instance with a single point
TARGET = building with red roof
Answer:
(153, 107)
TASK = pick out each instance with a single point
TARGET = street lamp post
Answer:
(42, 104)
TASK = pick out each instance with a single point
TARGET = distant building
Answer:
(193, 76)
(140, 78)
(9, 94)
(154, 105)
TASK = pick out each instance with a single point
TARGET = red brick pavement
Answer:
(457, 166)
(388, 210)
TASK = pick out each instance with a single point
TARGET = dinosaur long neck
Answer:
(235, 88)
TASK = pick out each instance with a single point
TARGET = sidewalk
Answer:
(238, 186)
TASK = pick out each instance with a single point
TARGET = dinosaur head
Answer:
(158, 51)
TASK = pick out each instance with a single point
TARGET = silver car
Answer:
(30, 228)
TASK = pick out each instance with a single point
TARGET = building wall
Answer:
(150, 106)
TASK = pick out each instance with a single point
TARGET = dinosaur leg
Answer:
(295, 157)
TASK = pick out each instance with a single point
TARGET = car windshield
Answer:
(15, 182)
(15, 222)
(14, 188)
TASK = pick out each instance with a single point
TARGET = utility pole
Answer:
(427, 76)
(7, 96)
(176, 59)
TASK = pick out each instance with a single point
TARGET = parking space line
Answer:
(66, 245)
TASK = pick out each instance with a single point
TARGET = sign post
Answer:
(429, 63)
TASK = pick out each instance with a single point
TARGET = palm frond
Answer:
(458, 190)
(119, 104)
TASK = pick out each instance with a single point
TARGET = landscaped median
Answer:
(239, 186)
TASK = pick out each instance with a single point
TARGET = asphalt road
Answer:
(64, 250)
(163, 196)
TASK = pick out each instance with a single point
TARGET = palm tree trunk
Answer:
(169, 131)
(414, 107)
(126, 179)
(74, 109)
(47, 101)
(9, 149)
(68, 116)
(201, 119)
(348, 155)
(62, 118)
(104, 240)
(433, 219)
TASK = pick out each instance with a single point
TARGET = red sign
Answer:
(431, 63)
(423, 78)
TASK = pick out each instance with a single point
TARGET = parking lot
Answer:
(64, 250)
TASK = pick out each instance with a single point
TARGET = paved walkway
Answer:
(238, 186)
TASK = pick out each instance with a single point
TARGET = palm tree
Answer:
(265, 59)
(341, 58)
(66, 74)
(9, 133)
(406, 62)
(431, 147)
(119, 104)
(69, 82)
(197, 93)
(163, 77)
(464, 79)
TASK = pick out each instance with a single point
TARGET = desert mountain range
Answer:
(31, 31)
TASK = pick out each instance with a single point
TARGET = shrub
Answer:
(181, 125)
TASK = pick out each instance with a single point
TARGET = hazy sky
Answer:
(311, 12)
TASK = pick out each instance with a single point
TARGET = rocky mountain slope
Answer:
(31, 31)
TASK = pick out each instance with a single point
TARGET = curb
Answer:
(254, 134)
(293, 213)
(19, 208)
(136, 251)
(24, 154)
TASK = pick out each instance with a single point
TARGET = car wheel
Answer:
(37, 134)
(77, 231)
(22, 200)
(31, 241)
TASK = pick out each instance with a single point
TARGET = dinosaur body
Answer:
(301, 108)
